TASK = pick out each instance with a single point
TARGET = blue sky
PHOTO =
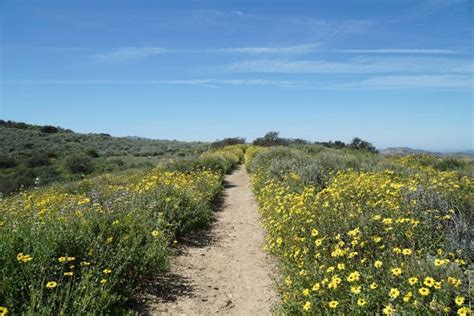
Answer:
(398, 73)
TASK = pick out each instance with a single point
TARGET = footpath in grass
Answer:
(225, 271)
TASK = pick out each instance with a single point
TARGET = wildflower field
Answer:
(86, 247)
(356, 233)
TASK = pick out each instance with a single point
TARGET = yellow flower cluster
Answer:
(369, 241)
(95, 239)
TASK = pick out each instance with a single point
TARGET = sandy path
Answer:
(225, 272)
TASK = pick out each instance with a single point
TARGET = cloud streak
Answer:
(360, 65)
(381, 82)
(206, 82)
(135, 53)
(414, 51)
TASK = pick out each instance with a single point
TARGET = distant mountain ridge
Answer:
(390, 151)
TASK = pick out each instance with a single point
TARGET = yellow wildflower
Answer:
(429, 281)
(356, 289)
(459, 300)
(307, 306)
(464, 311)
(394, 293)
(51, 284)
(354, 276)
(413, 280)
(23, 258)
(388, 310)
(396, 271)
(424, 291)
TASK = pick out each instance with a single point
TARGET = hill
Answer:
(402, 151)
(32, 154)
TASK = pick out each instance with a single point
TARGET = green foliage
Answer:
(358, 233)
(84, 248)
(360, 144)
(49, 129)
(49, 153)
(80, 164)
(7, 162)
(228, 142)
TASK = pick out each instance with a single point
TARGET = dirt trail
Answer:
(226, 271)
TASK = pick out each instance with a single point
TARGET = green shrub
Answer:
(80, 164)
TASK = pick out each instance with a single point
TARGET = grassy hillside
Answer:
(32, 154)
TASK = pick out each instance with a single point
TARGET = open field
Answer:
(344, 228)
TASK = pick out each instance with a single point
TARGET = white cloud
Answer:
(129, 53)
(382, 82)
(359, 65)
(297, 49)
(206, 82)
(396, 51)
(408, 82)
(134, 53)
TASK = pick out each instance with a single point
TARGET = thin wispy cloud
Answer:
(358, 65)
(130, 53)
(408, 82)
(134, 53)
(414, 51)
(206, 82)
(383, 82)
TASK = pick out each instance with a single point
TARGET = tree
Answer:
(228, 142)
(271, 139)
(360, 144)
(49, 129)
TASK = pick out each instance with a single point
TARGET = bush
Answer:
(38, 160)
(49, 129)
(271, 139)
(86, 247)
(228, 142)
(80, 164)
(93, 153)
(352, 241)
(7, 162)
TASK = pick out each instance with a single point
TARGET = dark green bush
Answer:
(38, 160)
(7, 162)
(80, 164)
(49, 129)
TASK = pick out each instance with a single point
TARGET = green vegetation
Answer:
(40, 155)
(86, 247)
(358, 233)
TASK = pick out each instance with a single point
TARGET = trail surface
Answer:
(223, 271)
